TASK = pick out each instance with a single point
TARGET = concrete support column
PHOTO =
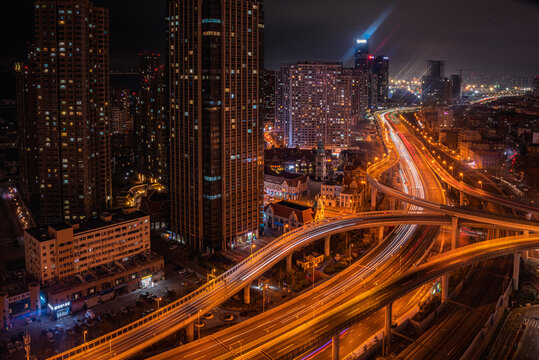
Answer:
(454, 232)
(327, 243)
(247, 294)
(289, 262)
(374, 194)
(461, 198)
(392, 203)
(516, 270)
(190, 332)
(335, 347)
(380, 234)
(445, 287)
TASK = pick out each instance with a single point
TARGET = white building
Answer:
(286, 185)
(55, 252)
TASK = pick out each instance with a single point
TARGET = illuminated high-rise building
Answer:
(151, 122)
(435, 87)
(269, 97)
(69, 80)
(361, 55)
(215, 65)
(314, 102)
(381, 69)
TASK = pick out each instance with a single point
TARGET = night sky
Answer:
(480, 36)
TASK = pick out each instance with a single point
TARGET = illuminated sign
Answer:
(361, 41)
(61, 306)
(147, 277)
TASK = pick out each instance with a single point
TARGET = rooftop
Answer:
(40, 233)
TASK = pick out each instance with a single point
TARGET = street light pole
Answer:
(84, 336)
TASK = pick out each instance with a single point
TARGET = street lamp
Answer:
(481, 184)
(84, 336)
(461, 176)
(264, 297)
(158, 301)
(251, 247)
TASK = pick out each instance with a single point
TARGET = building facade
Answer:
(269, 97)
(314, 103)
(67, 156)
(286, 185)
(56, 252)
(215, 65)
(151, 130)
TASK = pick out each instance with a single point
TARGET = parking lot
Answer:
(49, 336)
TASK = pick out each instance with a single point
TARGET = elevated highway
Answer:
(133, 338)
(331, 320)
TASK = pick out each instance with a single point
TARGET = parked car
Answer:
(124, 310)
(70, 332)
(89, 323)
(28, 320)
(113, 313)
(89, 315)
(59, 327)
(11, 347)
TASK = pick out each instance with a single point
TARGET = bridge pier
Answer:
(387, 327)
(190, 332)
(445, 287)
(392, 203)
(335, 347)
(454, 232)
(380, 234)
(327, 244)
(374, 194)
(289, 262)
(247, 294)
(461, 198)
(516, 270)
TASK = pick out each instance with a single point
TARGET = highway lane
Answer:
(425, 184)
(131, 339)
(463, 317)
(349, 284)
(336, 319)
(159, 327)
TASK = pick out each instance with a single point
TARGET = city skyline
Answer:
(165, 195)
(496, 37)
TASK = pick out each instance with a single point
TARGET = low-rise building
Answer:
(310, 261)
(286, 185)
(485, 159)
(75, 262)
(285, 215)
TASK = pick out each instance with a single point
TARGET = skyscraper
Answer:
(269, 97)
(215, 65)
(376, 72)
(69, 74)
(381, 69)
(435, 87)
(361, 55)
(151, 125)
(315, 104)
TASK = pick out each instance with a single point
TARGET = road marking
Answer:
(322, 328)
(283, 349)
